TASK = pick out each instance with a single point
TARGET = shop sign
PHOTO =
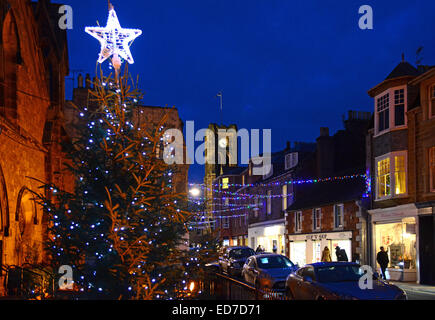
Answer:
(317, 237)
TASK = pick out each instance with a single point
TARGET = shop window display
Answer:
(399, 240)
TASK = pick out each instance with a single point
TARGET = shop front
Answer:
(396, 229)
(308, 248)
(269, 235)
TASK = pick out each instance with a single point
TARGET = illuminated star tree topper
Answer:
(115, 41)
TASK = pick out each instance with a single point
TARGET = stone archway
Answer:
(12, 58)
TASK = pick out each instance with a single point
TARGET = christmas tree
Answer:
(121, 228)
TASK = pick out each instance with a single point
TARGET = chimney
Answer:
(88, 80)
(325, 154)
(324, 132)
(288, 147)
(80, 81)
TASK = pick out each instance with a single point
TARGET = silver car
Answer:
(268, 270)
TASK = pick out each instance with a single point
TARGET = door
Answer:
(306, 288)
(426, 244)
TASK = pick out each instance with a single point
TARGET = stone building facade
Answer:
(33, 64)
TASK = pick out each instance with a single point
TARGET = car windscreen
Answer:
(338, 273)
(241, 253)
(273, 262)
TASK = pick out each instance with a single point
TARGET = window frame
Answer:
(431, 169)
(431, 101)
(269, 202)
(341, 225)
(391, 109)
(298, 221)
(317, 219)
(391, 156)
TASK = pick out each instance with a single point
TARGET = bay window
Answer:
(391, 175)
(391, 109)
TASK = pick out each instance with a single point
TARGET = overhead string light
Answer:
(281, 183)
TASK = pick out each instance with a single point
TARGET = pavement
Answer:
(416, 291)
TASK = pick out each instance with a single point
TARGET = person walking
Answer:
(382, 259)
(338, 253)
(258, 250)
(326, 255)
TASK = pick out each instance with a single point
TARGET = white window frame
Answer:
(291, 160)
(341, 225)
(298, 221)
(391, 156)
(317, 218)
(391, 108)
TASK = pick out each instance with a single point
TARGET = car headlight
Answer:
(401, 296)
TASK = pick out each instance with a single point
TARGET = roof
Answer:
(229, 171)
(401, 70)
(312, 195)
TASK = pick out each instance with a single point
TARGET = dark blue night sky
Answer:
(292, 66)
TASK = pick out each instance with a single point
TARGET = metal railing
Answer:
(222, 287)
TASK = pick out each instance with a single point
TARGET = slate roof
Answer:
(312, 195)
(402, 69)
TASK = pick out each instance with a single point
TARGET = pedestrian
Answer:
(382, 259)
(343, 255)
(258, 250)
(338, 253)
(275, 249)
(326, 255)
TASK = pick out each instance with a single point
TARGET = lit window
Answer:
(225, 182)
(391, 175)
(384, 178)
(316, 218)
(400, 175)
(432, 168)
(284, 197)
(383, 109)
(338, 215)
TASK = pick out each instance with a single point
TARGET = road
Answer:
(417, 292)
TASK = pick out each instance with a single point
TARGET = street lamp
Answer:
(195, 192)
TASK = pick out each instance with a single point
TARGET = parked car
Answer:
(231, 259)
(337, 281)
(269, 270)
